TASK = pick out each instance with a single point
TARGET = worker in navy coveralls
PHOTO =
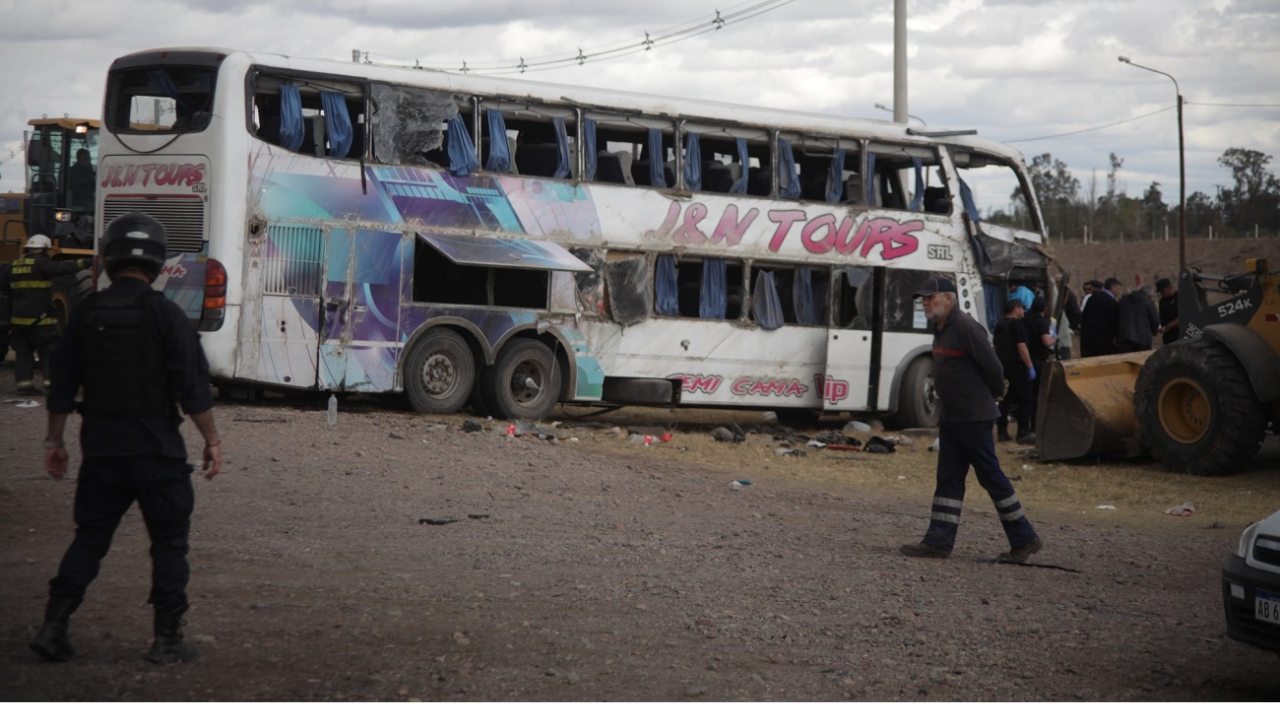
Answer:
(968, 378)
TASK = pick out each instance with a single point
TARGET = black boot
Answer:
(51, 642)
(168, 646)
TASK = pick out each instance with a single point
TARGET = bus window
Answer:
(160, 100)
(828, 169)
(710, 288)
(801, 291)
(324, 118)
(853, 299)
(906, 177)
(902, 311)
(723, 154)
(536, 141)
(409, 124)
(996, 193)
(626, 146)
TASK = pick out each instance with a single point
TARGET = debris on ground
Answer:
(1183, 510)
(1105, 507)
(436, 521)
(724, 434)
(879, 445)
(471, 426)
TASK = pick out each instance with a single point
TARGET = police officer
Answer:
(968, 378)
(136, 357)
(32, 326)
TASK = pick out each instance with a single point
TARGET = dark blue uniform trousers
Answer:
(105, 489)
(961, 445)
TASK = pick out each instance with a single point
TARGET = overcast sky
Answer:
(1018, 71)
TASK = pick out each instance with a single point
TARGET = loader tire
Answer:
(1196, 411)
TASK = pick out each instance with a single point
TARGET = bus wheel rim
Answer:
(1185, 412)
(526, 382)
(439, 375)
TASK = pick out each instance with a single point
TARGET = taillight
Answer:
(215, 285)
(215, 296)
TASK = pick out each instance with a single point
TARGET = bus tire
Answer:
(918, 404)
(523, 384)
(439, 372)
(1196, 411)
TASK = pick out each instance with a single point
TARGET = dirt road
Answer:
(601, 570)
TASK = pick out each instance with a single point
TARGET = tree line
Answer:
(1106, 212)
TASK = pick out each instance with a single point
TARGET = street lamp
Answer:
(881, 106)
(1182, 166)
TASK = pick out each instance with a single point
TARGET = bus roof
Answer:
(604, 99)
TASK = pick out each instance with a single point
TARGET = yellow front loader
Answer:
(1201, 405)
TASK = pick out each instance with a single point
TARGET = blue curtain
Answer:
(835, 177)
(562, 148)
(693, 161)
(589, 146)
(807, 311)
(462, 153)
(656, 177)
(337, 123)
(740, 185)
(765, 304)
(871, 176)
(291, 132)
(499, 154)
(993, 296)
(788, 180)
(666, 300)
(917, 199)
(966, 195)
(713, 302)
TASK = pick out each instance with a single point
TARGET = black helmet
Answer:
(135, 240)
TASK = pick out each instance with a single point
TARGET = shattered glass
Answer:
(409, 122)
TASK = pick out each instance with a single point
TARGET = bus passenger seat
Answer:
(936, 200)
(609, 168)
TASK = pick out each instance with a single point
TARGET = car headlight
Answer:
(1246, 540)
(62, 216)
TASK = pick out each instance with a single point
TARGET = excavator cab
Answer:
(60, 187)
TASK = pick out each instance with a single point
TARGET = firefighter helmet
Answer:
(38, 242)
(135, 240)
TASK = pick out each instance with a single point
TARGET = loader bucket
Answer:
(1086, 407)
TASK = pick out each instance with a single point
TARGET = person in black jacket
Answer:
(1170, 328)
(968, 378)
(1100, 321)
(1139, 322)
(1010, 340)
(1040, 342)
(136, 358)
(4, 311)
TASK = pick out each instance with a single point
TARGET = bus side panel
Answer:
(719, 363)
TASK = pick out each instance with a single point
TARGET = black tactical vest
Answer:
(122, 358)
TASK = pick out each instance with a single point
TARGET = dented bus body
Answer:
(510, 245)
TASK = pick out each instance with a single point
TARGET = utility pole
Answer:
(900, 61)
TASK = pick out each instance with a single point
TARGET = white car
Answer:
(1251, 586)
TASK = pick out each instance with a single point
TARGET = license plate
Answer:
(1266, 606)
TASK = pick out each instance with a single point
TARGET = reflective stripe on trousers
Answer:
(961, 446)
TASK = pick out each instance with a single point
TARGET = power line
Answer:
(1246, 105)
(667, 36)
(1092, 129)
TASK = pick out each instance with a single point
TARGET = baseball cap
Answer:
(1163, 283)
(935, 285)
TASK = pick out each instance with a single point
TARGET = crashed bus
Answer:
(511, 245)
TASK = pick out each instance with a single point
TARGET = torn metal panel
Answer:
(629, 284)
(1005, 256)
(504, 252)
(591, 284)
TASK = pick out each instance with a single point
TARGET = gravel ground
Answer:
(597, 570)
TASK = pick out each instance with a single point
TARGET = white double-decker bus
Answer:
(507, 244)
